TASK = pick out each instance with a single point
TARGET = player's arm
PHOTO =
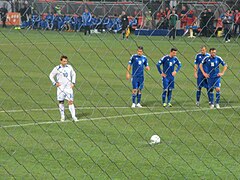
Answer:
(146, 65)
(52, 76)
(223, 71)
(179, 64)
(195, 67)
(195, 70)
(73, 78)
(159, 68)
(204, 73)
(128, 75)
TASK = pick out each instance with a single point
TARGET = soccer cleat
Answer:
(217, 106)
(164, 104)
(197, 104)
(139, 105)
(211, 106)
(169, 105)
(133, 105)
(75, 119)
(62, 119)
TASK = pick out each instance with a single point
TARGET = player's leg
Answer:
(134, 91)
(211, 87)
(71, 106)
(169, 94)
(139, 92)
(218, 94)
(199, 90)
(60, 98)
(165, 88)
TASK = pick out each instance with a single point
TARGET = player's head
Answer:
(203, 49)
(212, 52)
(64, 60)
(140, 50)
(173, 52)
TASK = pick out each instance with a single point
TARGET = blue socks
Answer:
(218, 94)
(169, 96)
(134, 98)
(164, 96)
(139, 98)
(198, 94)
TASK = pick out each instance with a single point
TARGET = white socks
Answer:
(61, 109)
(72, 110)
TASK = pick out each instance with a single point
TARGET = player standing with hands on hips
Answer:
(64, 77)
(213, 74)
(201, 80)
(137, 63)
(168, 74)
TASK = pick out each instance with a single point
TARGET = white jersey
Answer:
(66, 76)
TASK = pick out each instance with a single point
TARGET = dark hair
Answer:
(63, 57)
(212, 49)
(174, 49)
(140, 47)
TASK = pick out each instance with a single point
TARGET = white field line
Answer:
(118, 116)
(55, 109)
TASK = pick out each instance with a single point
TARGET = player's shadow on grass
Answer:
(82, 115)
(152, 103)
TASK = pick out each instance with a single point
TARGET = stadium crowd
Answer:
(204, 23)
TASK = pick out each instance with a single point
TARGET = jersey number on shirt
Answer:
(212, 64)
(65, 74)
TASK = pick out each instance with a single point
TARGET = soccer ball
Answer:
(155, 139)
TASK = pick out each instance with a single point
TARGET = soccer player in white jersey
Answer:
(64, 77)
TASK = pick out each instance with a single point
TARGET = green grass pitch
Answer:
(111, 140)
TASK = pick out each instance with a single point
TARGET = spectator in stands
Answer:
(227, 25)
(167, 12)
(148, 20)
(160, 18)
(236, 22)
(86, 19)
(210, 22)
(3, 13)
(172, 24)
(183, 17)
(173, 3)
(25, 13)
(190, 18)
(203, 22)
(125, 22)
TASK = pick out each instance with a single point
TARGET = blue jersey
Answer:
(198, 59)
(86, 18)
(168, 65)
(212, 64)
(138, 63)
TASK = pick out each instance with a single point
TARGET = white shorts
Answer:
(63, 94)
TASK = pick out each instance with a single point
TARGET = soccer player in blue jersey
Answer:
(137, 63)
(201, 80)
(213, 74)
(168, 74)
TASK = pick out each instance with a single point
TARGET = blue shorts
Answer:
(214, 82)
(138, 82)
(202, 82)
(168, 83)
